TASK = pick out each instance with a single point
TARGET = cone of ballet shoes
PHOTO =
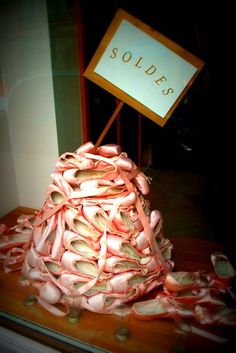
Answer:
(96, 244)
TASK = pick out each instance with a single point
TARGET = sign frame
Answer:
(120, 93)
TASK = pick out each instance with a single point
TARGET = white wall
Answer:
(28, 145)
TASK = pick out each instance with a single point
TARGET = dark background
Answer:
(199, 137)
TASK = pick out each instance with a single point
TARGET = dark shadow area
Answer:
(193, 145)
(191, 158)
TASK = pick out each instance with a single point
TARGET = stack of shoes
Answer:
(95, 243)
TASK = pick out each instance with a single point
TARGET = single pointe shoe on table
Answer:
(162, 307)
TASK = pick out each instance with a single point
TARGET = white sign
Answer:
(141, 70)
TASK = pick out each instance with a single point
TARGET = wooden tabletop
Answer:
(95, 332)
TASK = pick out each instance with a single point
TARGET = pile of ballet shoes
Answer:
(207, 298)
(95, 243)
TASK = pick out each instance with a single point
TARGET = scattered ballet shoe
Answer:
(220, 316)
(222, 266)
(181, 280)
(161, 308)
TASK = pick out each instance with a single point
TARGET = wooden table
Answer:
(95, 332)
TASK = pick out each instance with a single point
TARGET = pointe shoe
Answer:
(85, 148)
(142, 183)
(109, 150)
(120, 247)
(99, 287)
(76, 176)
(178, 281)
(49, 293)
(222, 266)
(14, 240)
(81, 266)
(74, 282)
(217, 316)
(124, 162)
(54, 267)
(80, 245)
(116, 264)
(99, 219)
(44, 236)
(107, 303)
(96, 216)
(55, 196)
(80, 225)
(73, 160)
(25, 223)
(120, 281)
(160, 308)
(197, 296)
(156, 224)
(127, 221)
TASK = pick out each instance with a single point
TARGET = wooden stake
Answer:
(110, 121)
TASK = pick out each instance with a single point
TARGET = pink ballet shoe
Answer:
(124, 162)
(142, 183)
(77, 176)
(116, 264)
(160, 308)
(85, 148)
(99, 219)
(80, 245)
(73, 160)
(141, 242)
(12, 259)
(222, 266)
(33, 258)
(54, 267)
(120, 282)
(81, 266)
(14, 240)
(123, 248)
(47, 233)
(25, 223)
(197, 296)
(101, 303)
(109, 150)
(68, 280)
(127, 199)
(99, 287)
(178, 281)
(49, 293)
(100, 188)
(74, 282)
(78, 224)
(127, 221)
(123, 282)
(217, 316)
(107, 303)
(156, 223)
(165, 247)
(55, 195)
(96, 216)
